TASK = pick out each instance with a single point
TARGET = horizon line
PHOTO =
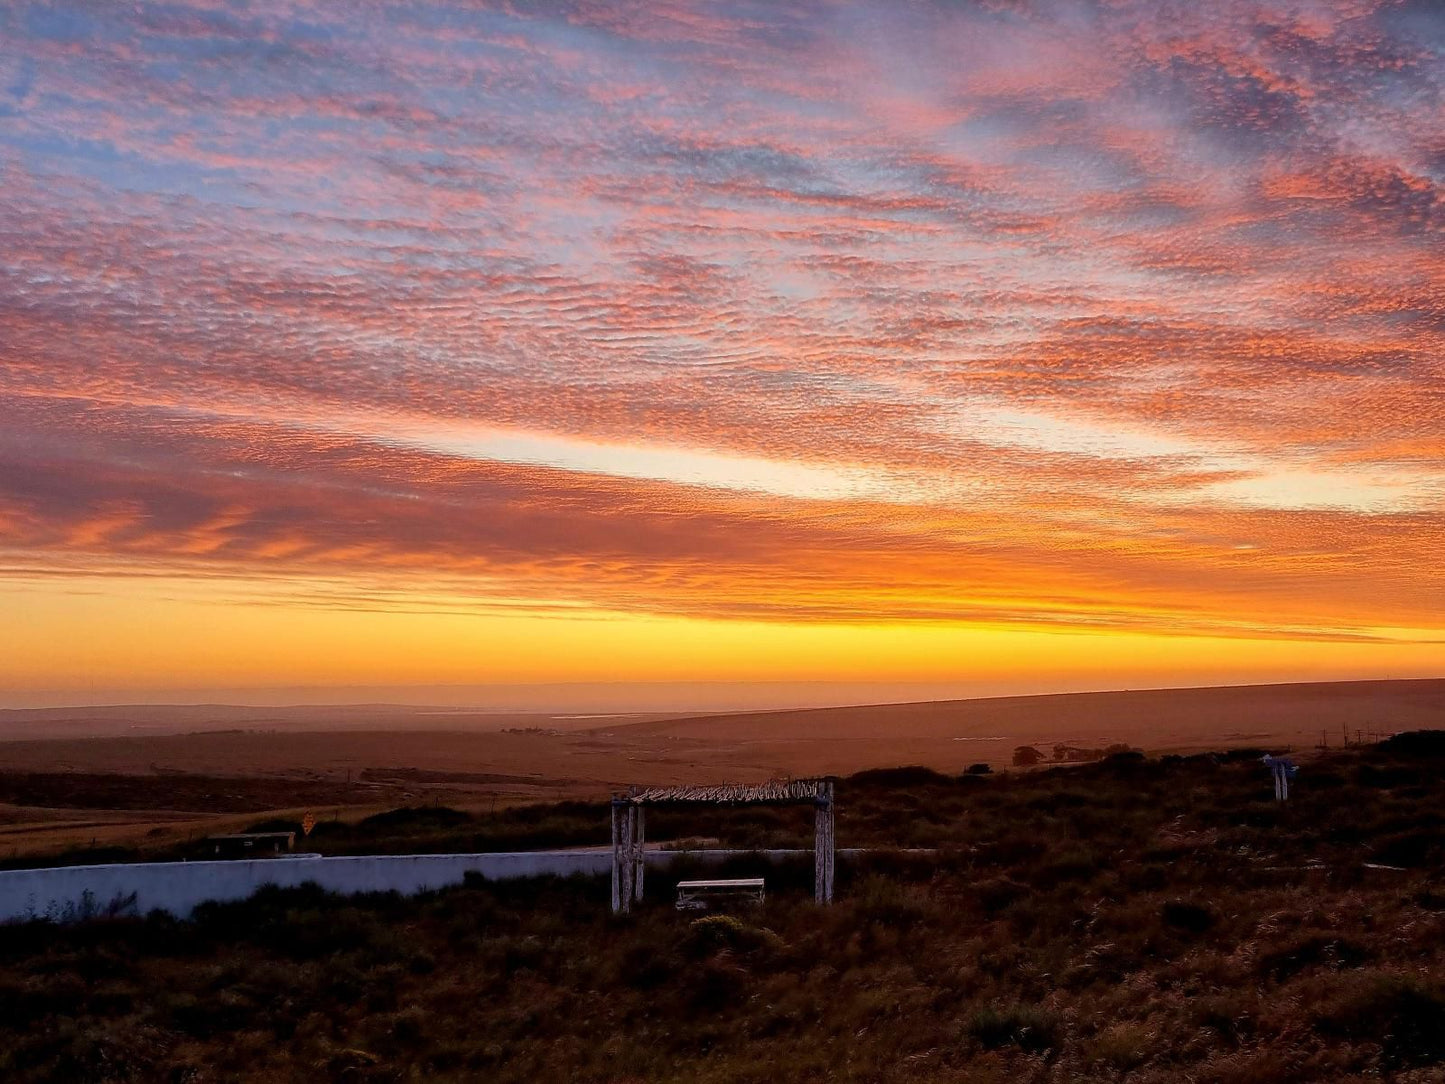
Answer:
(621, 686)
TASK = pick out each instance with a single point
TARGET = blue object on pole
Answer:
(1283, 769)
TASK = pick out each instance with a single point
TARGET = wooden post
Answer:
(641, 856)
(616, 858)
(629, 857)
(832, 844)
(823, 845)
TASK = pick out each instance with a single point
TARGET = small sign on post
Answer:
(308, 822)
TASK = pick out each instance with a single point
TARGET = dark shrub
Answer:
(431, 816)
(409, 1026)
(208, 1016)
(1127, 763)
(1427, 899)
(1387, 777)
(1029, 1027)
(1227, 1017)
(644, 966)
(1312, 950)
(351, 1064)
(1404, 1016)
(998, 892)
(1202, 761)
(888, 903)
(716, 984)
(713, 933)
(978, 769)
(1147, 876)
(1073, 864)
(1060, 799)
(1190, 917)
(521, 954)
(1416, 743)
(896, 865)
(909, 776)
(1411, 849)
(1011, 850)
(59, 995)
(1233, 756)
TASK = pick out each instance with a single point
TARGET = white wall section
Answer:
(71, 892)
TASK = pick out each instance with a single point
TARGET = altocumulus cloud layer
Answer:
(1113, 313)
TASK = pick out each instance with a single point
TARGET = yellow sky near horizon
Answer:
(146, 637)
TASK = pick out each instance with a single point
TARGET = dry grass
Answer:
(1158, 921)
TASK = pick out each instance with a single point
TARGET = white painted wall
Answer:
(69, 892)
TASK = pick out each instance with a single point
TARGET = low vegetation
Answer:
(1155, 920)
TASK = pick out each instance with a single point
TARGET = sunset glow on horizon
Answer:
(1025, 345)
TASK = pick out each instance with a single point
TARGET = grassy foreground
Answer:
(1155, 920)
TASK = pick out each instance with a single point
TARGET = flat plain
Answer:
(118, 776)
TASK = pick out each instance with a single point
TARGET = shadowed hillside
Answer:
(1153, 718)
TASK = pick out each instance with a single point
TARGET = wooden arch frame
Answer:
(627, 827)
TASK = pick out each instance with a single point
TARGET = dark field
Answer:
(1155, 920)
(184, 792)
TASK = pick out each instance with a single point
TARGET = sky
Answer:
(1016, 345)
